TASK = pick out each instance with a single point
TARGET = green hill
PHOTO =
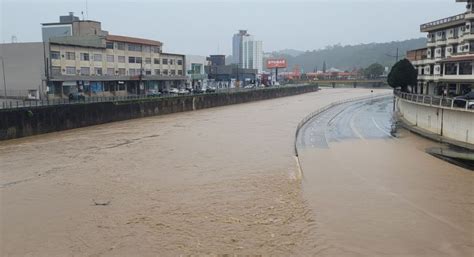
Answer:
(351, 56)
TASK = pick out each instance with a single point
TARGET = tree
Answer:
(375, 70)
(402, 75)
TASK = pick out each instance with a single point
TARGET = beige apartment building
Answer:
(81, 57)
(445, 65)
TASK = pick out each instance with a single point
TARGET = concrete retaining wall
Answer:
(454, 125)
(22, 122)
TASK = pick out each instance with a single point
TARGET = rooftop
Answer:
(442, 23)
(133, 40)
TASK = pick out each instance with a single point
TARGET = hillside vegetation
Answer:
(351, 56)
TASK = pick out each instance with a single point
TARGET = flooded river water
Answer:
(215, 181)
(223, 181)
(373, 194)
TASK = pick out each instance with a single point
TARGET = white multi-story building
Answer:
(446, 64)
(246, 51)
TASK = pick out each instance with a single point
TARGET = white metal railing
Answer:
(22, 103)
(436, 101)
(442, 21)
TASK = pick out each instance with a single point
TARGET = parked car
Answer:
(183, 91)
(173, 90)
(461, 101)
(198, 91)
(76, 96)
(210, 90)
(153, 93)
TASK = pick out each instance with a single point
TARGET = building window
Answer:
(120, 46)
(131, 59)
(85, 71)
(84, 57)
(465, 68)
(171, 61)
(131, 72)
(147, 72)
(165, 61)
(157, 71)
(451, 68)
(180, 62)
(121, 71)
(173, 72)
(148, 60)
(70, 56)
(180, 72)
(110, 71)
(134, 47)
(55, 55)
(165, 72)
(55, 70)
(156, 61)
(121, 59)
(70, 70)
(110, 58)
(156, 49)
(109, 45)
(146, 49)
(138, 59)
(98, 71)
(97, 57)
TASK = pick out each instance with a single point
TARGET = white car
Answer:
(183, 91)
(173, 91)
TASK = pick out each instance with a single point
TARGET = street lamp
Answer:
(4, 79)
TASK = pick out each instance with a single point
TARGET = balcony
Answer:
(442, 23)
(417, 54)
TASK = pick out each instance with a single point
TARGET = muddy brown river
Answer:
(224, 181)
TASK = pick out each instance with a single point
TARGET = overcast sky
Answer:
(206, 27)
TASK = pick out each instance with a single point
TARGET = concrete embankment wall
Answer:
(22, 122)
(451, 125)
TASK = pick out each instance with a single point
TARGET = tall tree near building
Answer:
(402, 75)
(375, 70)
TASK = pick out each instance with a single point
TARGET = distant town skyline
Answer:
(206, 27)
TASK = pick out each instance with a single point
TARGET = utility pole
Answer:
(396, 56)
(4, 79)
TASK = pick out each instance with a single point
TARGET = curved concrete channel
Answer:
(377, 193)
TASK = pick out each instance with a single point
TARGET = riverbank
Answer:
(26, 121)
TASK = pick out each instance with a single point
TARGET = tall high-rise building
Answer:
(246, 51)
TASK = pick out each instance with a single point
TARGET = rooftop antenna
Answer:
(87, 11)
(82, 13)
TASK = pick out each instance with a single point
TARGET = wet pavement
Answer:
(373, 194)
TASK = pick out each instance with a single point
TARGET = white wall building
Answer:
(195, 71)
(446, 64)
(246, 51)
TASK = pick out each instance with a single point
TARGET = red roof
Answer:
(133, 40)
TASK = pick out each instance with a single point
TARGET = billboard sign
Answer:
(276, 63)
